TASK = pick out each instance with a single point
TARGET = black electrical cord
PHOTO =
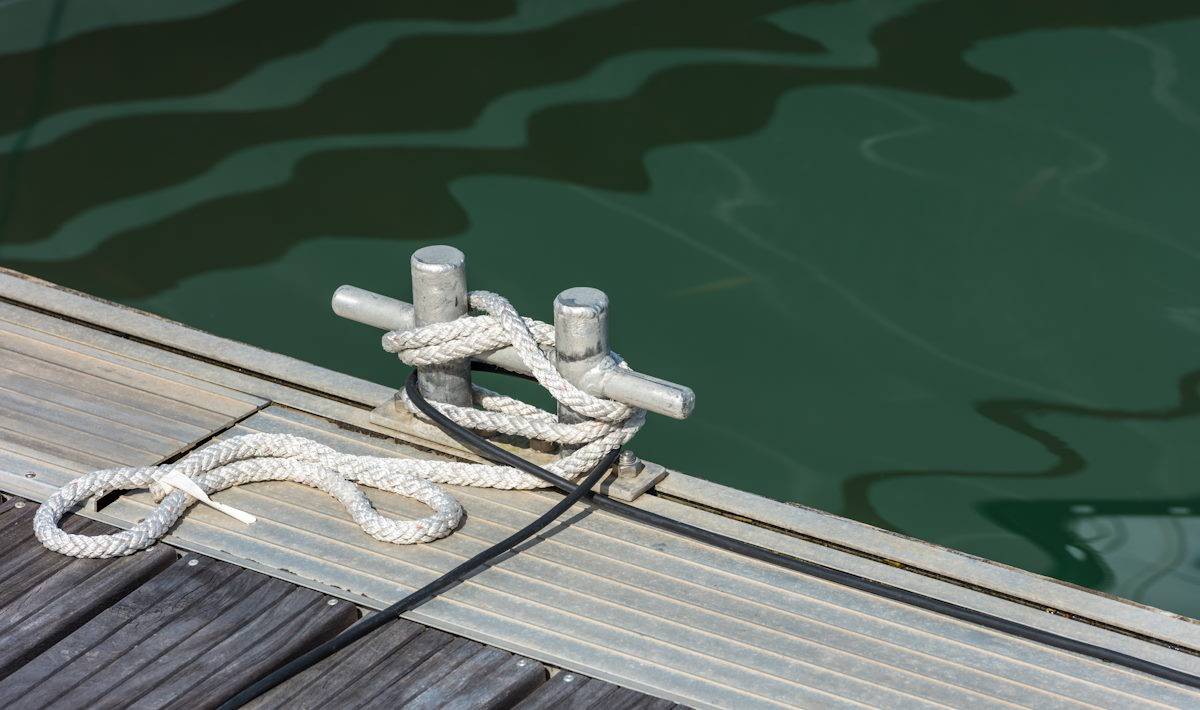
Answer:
(422, 595)
(493, 453)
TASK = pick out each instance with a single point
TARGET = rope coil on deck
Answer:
(284, 457)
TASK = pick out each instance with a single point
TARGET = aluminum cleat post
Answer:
(580, 338)
(632, 388)
(370, 308)
(439, 280)
(582, 357)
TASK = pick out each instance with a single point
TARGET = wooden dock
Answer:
(86, 384)
(169, 628)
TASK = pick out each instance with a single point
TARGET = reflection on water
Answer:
(958, 236)
(1054, 525)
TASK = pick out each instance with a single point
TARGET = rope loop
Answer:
(283, 457)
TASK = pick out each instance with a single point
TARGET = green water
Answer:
(932, 265)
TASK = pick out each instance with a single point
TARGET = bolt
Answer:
(332, 602)
(522, 663)
(628, 464)
(568, 678)
(19, 504)
(193, 563)
(31, 475)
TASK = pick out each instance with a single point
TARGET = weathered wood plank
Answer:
(78, 591)
(192, 636)
(46, 596)
(158, 628)
(10, 512)
(649, 702)
(15, 527)
(327, 680)
(592, 694)
(622, 698)
(571, 690)
(27, 565)
(503, 680)
(121, 625)
(414, 653)
(428, 673)
(296, 622)
(455, 686)
(560, 692)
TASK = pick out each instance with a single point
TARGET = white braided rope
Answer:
(612, 423)
(283, 457)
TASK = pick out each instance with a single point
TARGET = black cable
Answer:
(437, 586)
(493, 453)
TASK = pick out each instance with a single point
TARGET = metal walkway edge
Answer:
(87, 384)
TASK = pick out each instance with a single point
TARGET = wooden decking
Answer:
(85, 384)
(162, 628)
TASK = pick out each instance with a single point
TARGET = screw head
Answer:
(522, 663)
(19, 504)
(332, 602)
(31, 474)
(193, 563)
(569, 678)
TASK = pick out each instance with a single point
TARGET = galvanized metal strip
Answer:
(173, 417)
(77, 347)
(769, 636)
(103, 346)
(88, 424)
(47, 296)
(660, 619)
(610, 531)
(972, 570)
(23, 446)
(351, 552)
(15, 417)
(30, 477)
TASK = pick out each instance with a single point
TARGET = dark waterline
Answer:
(931, 265)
